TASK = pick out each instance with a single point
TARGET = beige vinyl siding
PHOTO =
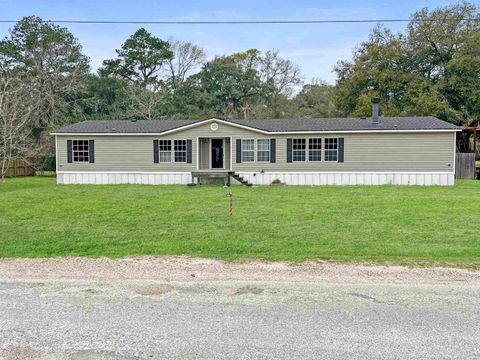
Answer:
(370, 152)
(226, 152)
(122, 153)
(204, 153)
(422, 151)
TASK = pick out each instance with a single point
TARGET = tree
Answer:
(140, 59)
(19, 102)
(315, 100)
(432, 69)
(145, 104)
(279, 77)
(53, 57)
(461, 82)
(188, 101)
(435, 36)
(378, 69)
(227, 88)
(186, 58)
(102, 98)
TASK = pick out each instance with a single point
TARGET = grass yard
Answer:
(387, 224)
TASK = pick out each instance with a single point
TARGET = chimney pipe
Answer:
(375, 111)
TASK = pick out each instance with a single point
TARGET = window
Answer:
(263, 150)
(299, 147)
(248, 150)
(172, 151)
(315, 149)
(331, 149)
(180, 149)
(165, 151)
(80, 151)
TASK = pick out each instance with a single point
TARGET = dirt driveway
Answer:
(187, 268)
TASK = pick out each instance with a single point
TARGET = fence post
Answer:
(230, 209)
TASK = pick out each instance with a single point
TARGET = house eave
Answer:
(271, 132)
(254, 129)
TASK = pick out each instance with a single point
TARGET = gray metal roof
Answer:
(270, 125)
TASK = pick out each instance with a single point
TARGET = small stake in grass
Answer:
(230, 211)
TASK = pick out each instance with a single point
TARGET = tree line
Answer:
(431, 68)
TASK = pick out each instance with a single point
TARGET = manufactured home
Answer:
(335, 151)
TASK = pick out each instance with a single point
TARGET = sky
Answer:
(316, 48)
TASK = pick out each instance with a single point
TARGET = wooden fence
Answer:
(465, 166)
(19, 167)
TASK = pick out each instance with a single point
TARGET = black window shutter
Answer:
(155, 151)
(69, 151)
(273, 150)
(189, 151)
(91, 151)
(239, 151)
(289, 150)
(340, 149)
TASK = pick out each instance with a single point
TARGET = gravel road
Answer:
(183, 308)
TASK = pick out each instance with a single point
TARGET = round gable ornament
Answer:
(214, 126)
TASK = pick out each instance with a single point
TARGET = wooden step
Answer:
(225, 175)
(240, 179)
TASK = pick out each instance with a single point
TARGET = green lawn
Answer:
(387, 224)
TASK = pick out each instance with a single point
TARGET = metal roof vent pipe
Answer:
(375, 111)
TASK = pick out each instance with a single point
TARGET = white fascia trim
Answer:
(124, 172)
(213, 120)
(274, 132)
(363, 131)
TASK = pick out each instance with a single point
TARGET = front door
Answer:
(217, 153)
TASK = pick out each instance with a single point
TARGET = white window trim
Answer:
(306, 150)
(322, 151)
(88, 151)
(172, 152)
(325, 148)
(166, 151)
(269, 150)
(254, 151)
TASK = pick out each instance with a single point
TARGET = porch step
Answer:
(211, 177)
(239, 178)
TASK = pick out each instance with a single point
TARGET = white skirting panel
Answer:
(103, 178)
(289, 178)
(351, 178)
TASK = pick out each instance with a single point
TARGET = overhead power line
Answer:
(247, 22)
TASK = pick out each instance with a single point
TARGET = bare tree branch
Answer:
(19, 101)
(187, 57)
